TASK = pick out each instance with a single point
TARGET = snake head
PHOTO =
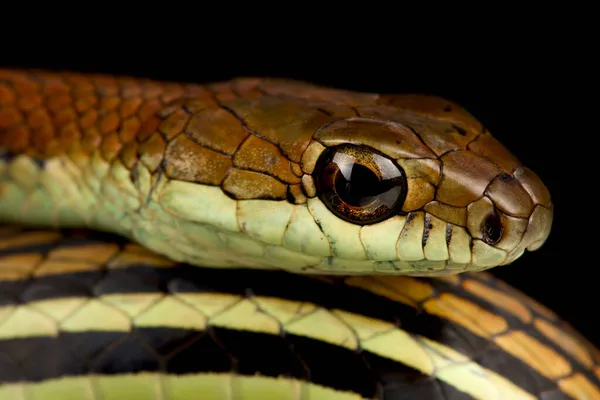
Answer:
(271, 173)
(430, 163)
(310, 179)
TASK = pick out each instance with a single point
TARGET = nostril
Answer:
(504, 177)
(492, 229)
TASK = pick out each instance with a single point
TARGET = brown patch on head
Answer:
(256, 154)
(308, 91)
(244, 185)
(391, 138)
(422, 176)
(216, 128)
(434, 107)
(188, 161)
(485, 145)
(439, 135)
(311, 156)
(465, 178)
(453, 215)
(289, 124)
(534, 186)
(509, 196)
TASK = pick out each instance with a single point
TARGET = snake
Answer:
(266, 238)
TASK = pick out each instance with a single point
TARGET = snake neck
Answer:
(68, 191)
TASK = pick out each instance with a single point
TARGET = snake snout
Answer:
(539, 221)
(536, 233)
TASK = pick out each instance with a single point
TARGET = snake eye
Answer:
(359, 184)
(492, 229)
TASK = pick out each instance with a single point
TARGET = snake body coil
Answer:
(278, 225)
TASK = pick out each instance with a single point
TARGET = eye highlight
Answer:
(359, 184)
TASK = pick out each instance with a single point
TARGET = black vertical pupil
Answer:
(359, 187)
(492, 229)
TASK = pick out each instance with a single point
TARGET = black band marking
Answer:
(179, 351)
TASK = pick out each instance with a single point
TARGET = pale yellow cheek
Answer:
(343, 236)
(485, 255)
(380, 239)
(282, 258)
(436, 248)
(241, 245)
(264, 220)
(460, 245)
(410, 243)
(200, 203)
(303, 234)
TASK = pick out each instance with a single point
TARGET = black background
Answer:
(522, 89)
